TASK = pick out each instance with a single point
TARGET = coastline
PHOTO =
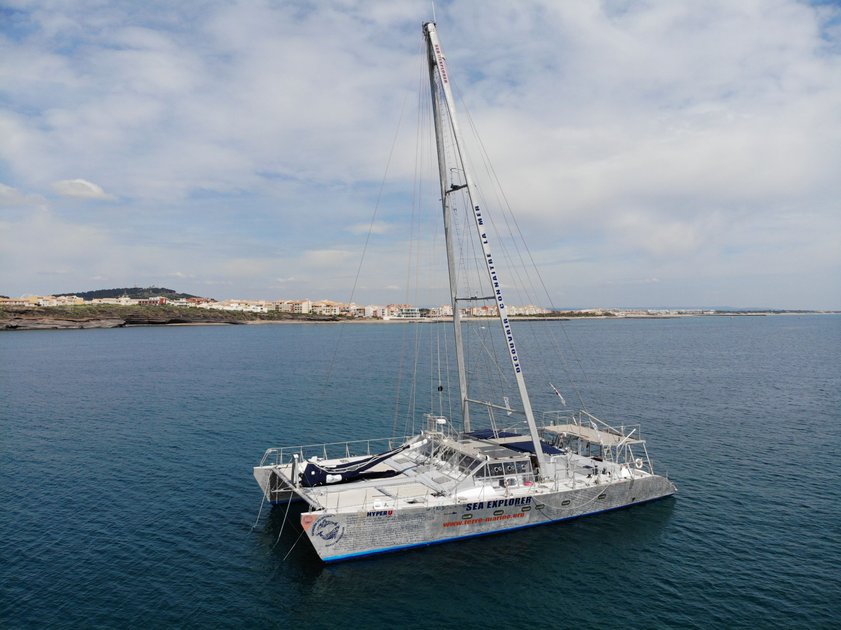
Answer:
(109, 316)
(62, 319)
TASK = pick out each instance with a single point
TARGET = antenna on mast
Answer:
(432, 2)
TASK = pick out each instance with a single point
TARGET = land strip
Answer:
(115, 316)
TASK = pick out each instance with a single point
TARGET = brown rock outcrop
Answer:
(48, 323)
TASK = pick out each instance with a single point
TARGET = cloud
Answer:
(324, 258)
(10, 196)
(80, 189)
(40, 244)
(375, 227)
(243, 142)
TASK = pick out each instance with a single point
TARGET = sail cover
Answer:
(315, 475)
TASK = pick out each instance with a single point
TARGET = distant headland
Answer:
(155, 306)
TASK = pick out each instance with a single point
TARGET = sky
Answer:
(656, 153)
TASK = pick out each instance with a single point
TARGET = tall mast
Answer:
(443, 177)
(438, 67)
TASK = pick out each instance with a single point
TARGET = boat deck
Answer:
(427, 485)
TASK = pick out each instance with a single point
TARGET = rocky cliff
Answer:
(48, 323)
(112, 316)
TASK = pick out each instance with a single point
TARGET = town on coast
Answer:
(328, 308)
(164, 306)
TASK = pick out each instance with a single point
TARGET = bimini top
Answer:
(604, 437)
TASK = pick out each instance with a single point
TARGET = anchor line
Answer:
(259, 512)
(285, 514)
(293, 545)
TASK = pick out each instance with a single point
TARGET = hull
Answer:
(337, 536)
(274, 490)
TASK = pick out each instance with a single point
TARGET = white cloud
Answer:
(10, 196)
(326, 258)
(41, 244)
(80, 188)
(375, 227)
(704, 136)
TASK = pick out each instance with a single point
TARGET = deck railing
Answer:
(586, 419)
(330, 450)
(630, 448)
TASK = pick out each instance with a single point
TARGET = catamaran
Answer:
(443, 484)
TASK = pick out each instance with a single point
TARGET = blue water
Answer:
(127, 496)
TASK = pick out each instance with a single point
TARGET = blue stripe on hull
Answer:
(362, 554)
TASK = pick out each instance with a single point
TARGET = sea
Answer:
(127, 498)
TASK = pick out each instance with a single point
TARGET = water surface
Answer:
(126, 455)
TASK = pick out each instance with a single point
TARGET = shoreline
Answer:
(43, 321)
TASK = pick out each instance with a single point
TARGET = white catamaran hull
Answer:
(340, 536)
(383, 528)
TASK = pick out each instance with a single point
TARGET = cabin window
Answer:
(466, 463)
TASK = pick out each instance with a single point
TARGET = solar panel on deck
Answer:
(528, 447)
(525, 446)
(489, 434)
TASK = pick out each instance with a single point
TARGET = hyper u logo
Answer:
(380, 513)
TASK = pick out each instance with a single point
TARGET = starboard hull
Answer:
(344, 536)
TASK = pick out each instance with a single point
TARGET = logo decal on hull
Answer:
(329, 530)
